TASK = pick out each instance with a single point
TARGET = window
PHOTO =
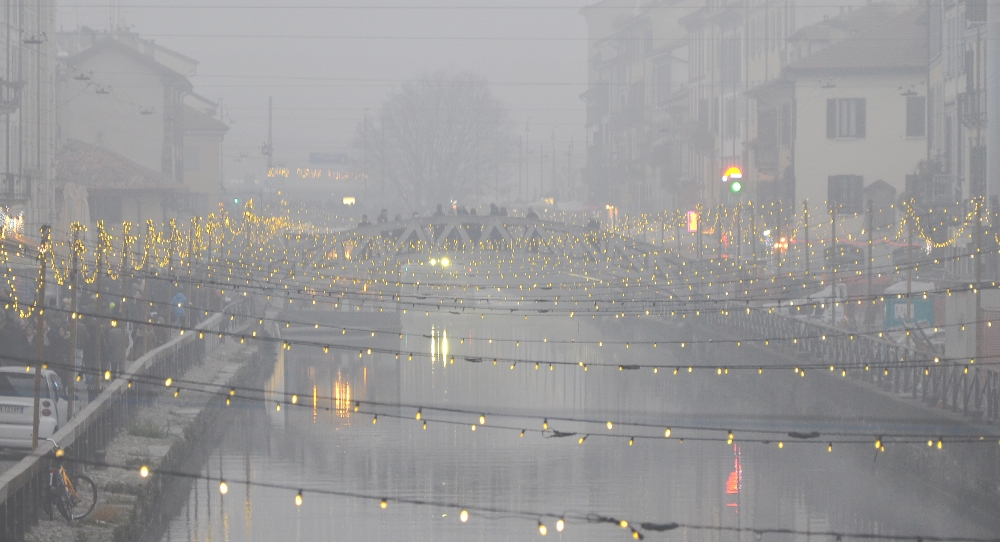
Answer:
(845, 118)
(916, 116)
(845, 192)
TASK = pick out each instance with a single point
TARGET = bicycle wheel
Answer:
(76, 507)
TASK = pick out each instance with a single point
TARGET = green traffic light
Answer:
(735, 187)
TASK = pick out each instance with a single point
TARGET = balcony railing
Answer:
(14, 188)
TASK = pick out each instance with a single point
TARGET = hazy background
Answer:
(326, 62)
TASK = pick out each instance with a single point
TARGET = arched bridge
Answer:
(470, 230)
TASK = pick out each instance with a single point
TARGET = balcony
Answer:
(14, 188)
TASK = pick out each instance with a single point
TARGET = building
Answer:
(132, 98)
(27, 113)
(849, 109)
(117, 189)
(957, 135)
(674, 89)
(637, 110)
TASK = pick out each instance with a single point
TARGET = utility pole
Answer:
(365, 132)
(190, 285)
(833, 264)
(870, 308)
(381, 154)
(94, 381)
(677, 236)
(718, 226)
(739, 234)
(527, 162)
(979, 269)
(520, 168)
(270, 141)
(909, 267)
(555, 191)
(39, 332)
(698, 234)
(805, 222)
(75, 286)
(570, 188)
(541, 170)
(992, 96)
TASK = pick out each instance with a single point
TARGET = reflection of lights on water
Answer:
(341, 397)
(735, 481)
(439, 345)
(315, 402)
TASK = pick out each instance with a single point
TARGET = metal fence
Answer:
(975, 391)
(22, 486)
(878, 361)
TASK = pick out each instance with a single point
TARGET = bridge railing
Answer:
(877, 361)
(22, 486)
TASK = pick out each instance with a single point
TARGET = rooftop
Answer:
(99, 168)
(872, 39)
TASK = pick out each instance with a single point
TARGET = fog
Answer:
(326, 63)
(682, 270)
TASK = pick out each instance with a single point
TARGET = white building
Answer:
(849, 109)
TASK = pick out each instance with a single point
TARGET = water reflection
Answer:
(315, 447)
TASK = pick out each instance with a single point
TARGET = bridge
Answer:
(450, 230)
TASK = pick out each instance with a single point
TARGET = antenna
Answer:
(268, 149)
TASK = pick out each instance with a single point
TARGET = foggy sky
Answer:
(322, 85)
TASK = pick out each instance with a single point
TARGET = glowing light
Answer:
(732, 173)
(144, 471)
(692, 221)
(223, 487)
(464, 516)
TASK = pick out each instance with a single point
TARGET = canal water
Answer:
(323, 444)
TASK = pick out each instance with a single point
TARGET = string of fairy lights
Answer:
(924, 363)
(464, 512)
(287, 258)
(174, 242)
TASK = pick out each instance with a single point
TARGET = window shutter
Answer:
(831, 118)
(861, 117)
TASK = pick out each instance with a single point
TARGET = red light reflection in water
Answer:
(735, 481)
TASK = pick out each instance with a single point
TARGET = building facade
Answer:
(27, 114)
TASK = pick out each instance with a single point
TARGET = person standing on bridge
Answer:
(177, 304)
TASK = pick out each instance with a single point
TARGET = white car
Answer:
(17, 396)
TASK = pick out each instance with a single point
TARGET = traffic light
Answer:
(732, 177)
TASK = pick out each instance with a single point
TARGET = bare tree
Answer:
(438, 138)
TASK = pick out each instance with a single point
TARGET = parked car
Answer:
(17, 396)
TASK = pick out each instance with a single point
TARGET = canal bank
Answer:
(170, 433)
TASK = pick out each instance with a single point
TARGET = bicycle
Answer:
(74, 496)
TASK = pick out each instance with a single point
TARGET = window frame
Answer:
(850, 111)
